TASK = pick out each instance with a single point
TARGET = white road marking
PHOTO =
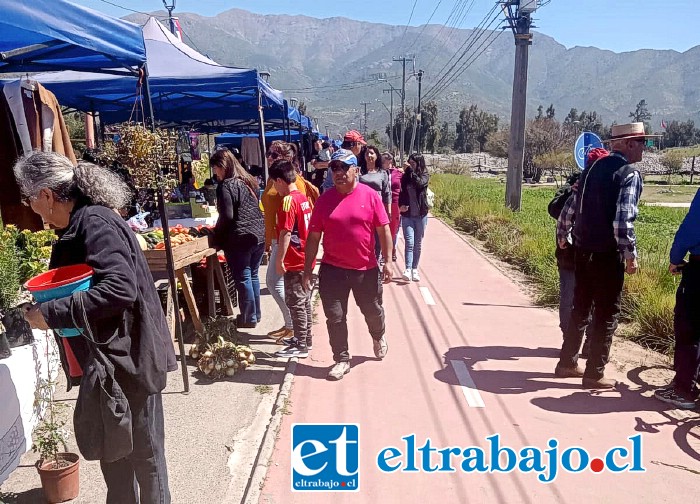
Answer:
(471, 393)
(427, 296)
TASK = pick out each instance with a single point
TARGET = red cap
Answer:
(354, 136)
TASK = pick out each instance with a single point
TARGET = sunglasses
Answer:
(338, 167)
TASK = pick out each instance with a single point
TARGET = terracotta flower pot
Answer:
(60, 484)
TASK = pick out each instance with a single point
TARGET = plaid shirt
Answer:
(625, 215)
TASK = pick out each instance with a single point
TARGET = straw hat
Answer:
(631, 130)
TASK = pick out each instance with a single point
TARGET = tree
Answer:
(681, 134)
(542, 137)
(375, 139)
(672, 160)
(641, 114)
(473, 129)
(550, 111)
(447, 138)
(540, 113)
(429, 129)
(497, 143)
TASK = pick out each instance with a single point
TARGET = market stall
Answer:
(38, 37)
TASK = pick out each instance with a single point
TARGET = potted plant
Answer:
(58, 468)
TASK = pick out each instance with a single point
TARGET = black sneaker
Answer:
(298, 351)
(293, 341)
(675, 398)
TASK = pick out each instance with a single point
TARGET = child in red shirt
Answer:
(293, 219)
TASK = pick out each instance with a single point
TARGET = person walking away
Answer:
(347, 216)
(413, 205)
(602, 216)
(292, 225)
(395, 175)
(353, 141)
(272, 201)
(682, 392)
(565, 256)
(122, 307)
(373, 174)
(240, 232)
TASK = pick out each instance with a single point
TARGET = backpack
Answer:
(562, 195)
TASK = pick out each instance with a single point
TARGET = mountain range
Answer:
(332, 65)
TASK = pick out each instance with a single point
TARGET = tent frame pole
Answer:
(170, 264)
(261, 136)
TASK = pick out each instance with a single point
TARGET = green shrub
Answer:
(527, 240)
(9, 271)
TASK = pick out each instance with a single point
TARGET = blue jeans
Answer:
(413, 232)
(275, 284)
(567, 282)
(244, 262)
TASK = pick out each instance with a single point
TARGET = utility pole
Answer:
(418, 115)
(403, 60)
(364, 103)
(520, 22)
(170, 8)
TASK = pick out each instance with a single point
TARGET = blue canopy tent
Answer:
(186, 88)
(56, 35)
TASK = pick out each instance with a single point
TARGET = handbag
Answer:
(102, 418)
(429, 198)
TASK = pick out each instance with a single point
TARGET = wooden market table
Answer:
(188, 254)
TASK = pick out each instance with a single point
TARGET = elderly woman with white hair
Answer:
(122, 308)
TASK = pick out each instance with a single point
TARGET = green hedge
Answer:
(527, 240)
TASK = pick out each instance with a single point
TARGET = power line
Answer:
(470, 62)
(342, 87)
(469, 43)
(125, 8)
(425, 25)
(407, 24)
(460, 14)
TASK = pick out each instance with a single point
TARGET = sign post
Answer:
(584, 143)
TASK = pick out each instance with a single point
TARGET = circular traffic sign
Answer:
(584, 143)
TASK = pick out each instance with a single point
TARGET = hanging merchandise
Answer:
(30, 119)
(250, 150)
(194, 146)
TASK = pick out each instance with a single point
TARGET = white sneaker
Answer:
(406, 275)
(415, 275)
(295, 350)
(339, 370)
(380, 348)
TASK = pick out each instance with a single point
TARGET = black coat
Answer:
(240, 219)
(420, 182)
(122, 300)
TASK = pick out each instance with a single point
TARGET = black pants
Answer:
(686, 327)
(298, 300)
(335, 285)
(145, 468)
(599, 281)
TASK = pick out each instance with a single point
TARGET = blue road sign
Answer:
(584, 143)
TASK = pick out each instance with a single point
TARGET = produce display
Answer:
(222, 358)
(179, 235)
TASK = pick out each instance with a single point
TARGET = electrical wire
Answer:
(424, 26)
(464, 48)
(468, 63)
(125, 8)
(457, 22)
(407, 24)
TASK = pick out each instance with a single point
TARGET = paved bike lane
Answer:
(469, 357)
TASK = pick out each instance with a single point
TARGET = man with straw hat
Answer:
(600, 217)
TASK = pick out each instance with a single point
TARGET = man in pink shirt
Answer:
(348, 216)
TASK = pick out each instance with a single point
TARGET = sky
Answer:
(618, 25)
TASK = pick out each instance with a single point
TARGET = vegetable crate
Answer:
(183, 255)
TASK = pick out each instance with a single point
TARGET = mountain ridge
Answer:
(316, 59)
